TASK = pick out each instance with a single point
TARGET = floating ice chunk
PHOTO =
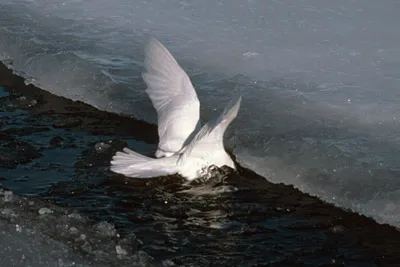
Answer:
(338, 229)
(8, 196)
(101, 147)
(129, 243)
(73, 230)
(8, 213)
(87, 247)
(43, 211)
(18, 228)
(33, 102)
(75, 216)
(120, 251)
(168, 263)
(106, 229)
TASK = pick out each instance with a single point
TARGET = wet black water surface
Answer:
(58, 151)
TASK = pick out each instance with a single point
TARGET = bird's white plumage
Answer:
(173, 97)
(184, 147)
(203, 150)
(210, 137)
(132, 164)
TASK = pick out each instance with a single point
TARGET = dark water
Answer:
(60, 150)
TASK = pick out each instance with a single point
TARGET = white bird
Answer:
(173, 97)
(203, 150)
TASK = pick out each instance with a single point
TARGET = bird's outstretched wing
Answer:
(173, 97)
(211, 135)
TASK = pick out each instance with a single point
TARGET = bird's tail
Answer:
(132, 164)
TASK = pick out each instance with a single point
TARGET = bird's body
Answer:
(204, 149)
(185, 148)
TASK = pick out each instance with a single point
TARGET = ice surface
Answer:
(320, 79)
